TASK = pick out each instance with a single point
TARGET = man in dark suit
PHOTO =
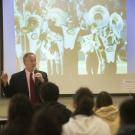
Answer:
(27, 82)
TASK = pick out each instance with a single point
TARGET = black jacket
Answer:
(126, 130)
(62, 113)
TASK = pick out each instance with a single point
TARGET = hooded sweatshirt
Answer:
(110, 114)
(86, 125)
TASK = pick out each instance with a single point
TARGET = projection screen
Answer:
(79, 43)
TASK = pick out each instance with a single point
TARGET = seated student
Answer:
(84, 121)
(107, 111)
(45, 123)
(49, 95)
(19, 116)
(127, 118)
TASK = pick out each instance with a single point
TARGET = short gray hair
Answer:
(27, 54)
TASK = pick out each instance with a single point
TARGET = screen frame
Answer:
(1, 42)
(1, 54)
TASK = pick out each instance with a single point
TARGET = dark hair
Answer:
(84, 102)
(27, 54)
(19, 115)
(49, 92)
(19, 107)
(45, 123)
(127, 112)
(126, 130)
(103, 99)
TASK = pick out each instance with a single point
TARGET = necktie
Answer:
(32, 89)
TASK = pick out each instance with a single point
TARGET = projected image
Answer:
(82, 37)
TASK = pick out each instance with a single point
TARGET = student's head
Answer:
(45, 122)
(19, 116)
(29, 60)
(103, 99)
(49, 92)
(127, 112)
(20, 109)
(83, 102)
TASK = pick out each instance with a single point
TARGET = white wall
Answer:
(64, 100)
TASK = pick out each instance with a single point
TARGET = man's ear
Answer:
(24, 62)
(74, 105)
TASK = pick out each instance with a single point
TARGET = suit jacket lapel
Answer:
(24, 79)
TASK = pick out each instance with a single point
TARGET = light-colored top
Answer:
(110, 114)
(28, 80)
(86, 125)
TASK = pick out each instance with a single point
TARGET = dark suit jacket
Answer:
(18, 84)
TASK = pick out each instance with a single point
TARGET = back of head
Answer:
(84, 102)
(45, 123)
(49, 92)
(103, 99)
(127, 112)
(19, 115)
(19, 108)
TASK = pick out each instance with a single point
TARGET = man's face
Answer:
(30, 62)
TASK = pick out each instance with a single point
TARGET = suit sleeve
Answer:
(45, 76)
(9, 89)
